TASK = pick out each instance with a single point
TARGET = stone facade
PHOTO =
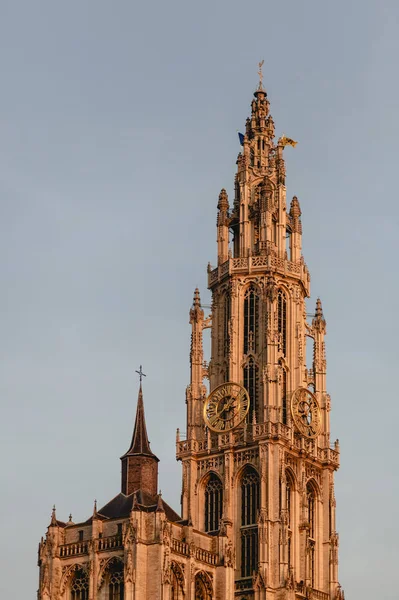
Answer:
(258, 503)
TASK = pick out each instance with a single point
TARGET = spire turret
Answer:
(139, 464)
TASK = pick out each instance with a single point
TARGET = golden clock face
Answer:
(226, 407)
(306, 412)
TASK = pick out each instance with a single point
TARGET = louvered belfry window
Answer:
(213, 503)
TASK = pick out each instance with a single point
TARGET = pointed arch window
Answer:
(203, 587)
(251, 384)
(177, 582)
(282, 320)
(250, 496)
(213, 503)
(251, 313)
(80, 585)
(115, 581)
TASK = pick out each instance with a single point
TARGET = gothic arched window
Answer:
(250, 497)
(177, 581)
(213, 503)
(251, 384)
(203, 587)
(79, 585)
(282, 320)
(115, 581)
(251, 311)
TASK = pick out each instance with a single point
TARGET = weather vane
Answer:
(141, 374)
(260, 73)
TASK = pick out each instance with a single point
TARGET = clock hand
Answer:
(227, 406)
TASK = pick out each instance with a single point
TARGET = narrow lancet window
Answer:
(282, 320)
(226, 325)
(284, 395)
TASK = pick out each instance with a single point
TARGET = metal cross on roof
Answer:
(141, 374)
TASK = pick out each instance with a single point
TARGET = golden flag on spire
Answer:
(286, 141)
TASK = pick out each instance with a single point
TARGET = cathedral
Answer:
(257, 518)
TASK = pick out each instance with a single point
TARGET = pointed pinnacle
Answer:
(295, 209)
(319, 309)
(53, 516)
(140, 443)
(196, 299)
(95, 508)
(135, 504)
(160, 507)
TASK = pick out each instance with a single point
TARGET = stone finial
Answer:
(95, 509)
(223, 204)
(70, 518)
(160, 507)
(53, 517)
(197, 298)
(135, 503)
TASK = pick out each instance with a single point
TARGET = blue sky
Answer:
(117, 131)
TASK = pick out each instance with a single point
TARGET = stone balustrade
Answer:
(74, 549)
(253, 264)
(185, 549)
(109, 543)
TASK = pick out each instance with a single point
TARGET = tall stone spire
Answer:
(139, 463)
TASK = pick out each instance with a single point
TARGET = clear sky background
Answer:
(118, 129)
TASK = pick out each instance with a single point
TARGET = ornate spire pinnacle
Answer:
(196, 299)
(319, 321)
(53, 517)
(260, 73)
(223, 204)
(140, 443)
(95, 509)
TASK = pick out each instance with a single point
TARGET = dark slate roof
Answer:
(140, 443)
(120, 506)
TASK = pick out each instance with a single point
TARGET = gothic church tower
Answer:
(266, 481)
(258, 504)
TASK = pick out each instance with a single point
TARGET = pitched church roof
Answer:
(121, 506)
